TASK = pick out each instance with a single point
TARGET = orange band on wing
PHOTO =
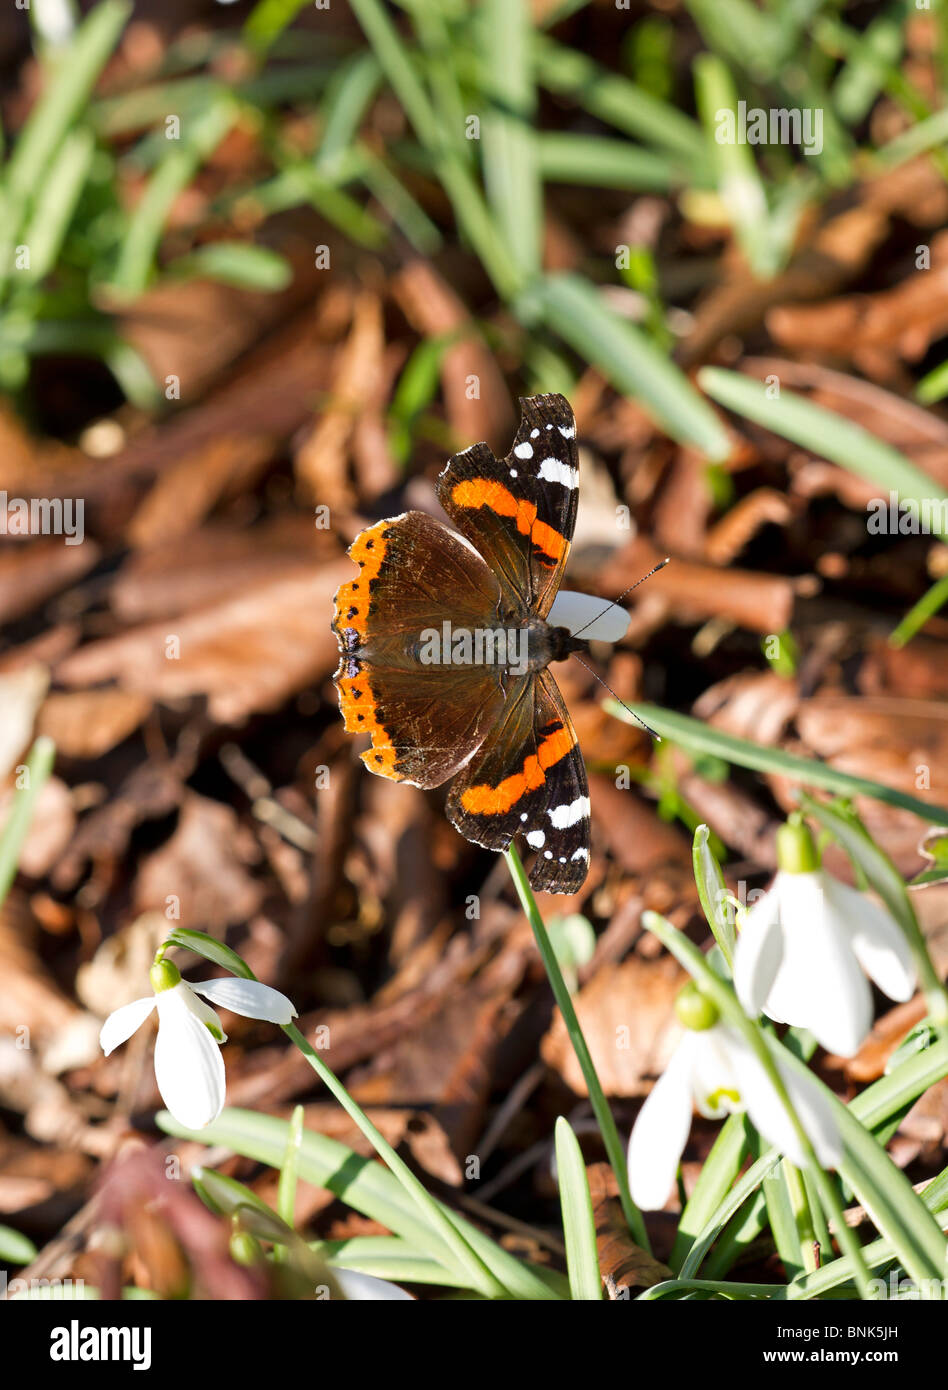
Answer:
(352, 599)
(485, 800)
(485, 492)
(357, 704)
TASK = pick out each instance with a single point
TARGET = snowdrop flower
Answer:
(189, 1068)
(803, 949)
(716, 1070)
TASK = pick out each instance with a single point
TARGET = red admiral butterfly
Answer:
(445, 647)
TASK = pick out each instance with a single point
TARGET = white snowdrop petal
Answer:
(769, 1116)
(607, 622)
(248, 997)
(877, 940)
(759, 951)
(368, 1288)
(204, 1013)
(716, 1085)
(189, 1067)
(661, 1130)
(820, 985)
(120, 1025)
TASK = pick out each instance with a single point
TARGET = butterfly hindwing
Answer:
(520, 511)
(529, 778)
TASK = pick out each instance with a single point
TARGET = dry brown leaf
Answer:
(626, 1268)
(626, 1013)
(202, 869)
(247, 653)
(87, 723)
(321, 458)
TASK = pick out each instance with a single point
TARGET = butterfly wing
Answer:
(529, 777)
(520, 511)
(425, 721)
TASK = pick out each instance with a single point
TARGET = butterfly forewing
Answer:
(424, 722)
(520, 511)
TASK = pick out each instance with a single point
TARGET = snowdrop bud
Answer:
(163, 975)
(245, 1249)
(796, 850)
(695, 1010)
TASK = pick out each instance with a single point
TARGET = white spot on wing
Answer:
(553, 471)
(524, 451)
(534, 433)
(536, 839)
(569, 813)
(567, 431)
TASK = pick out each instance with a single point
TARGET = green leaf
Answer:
(579, 1226)
(200, 136)
(618, 102)
(69, 81)
(16, 1249)
(206, 946)
(361, 1183)
(597, 1096)
(830, 436)
(718, 1172)
(738, 182)
(514, 190)
(698, 737)
(574, 309)
(289, 1172)
(235, 263)
(713, 894)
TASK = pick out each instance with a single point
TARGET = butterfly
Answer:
(445, 647)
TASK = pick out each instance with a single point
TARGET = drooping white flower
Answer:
(803, 949)
(715, 1069)
(189, 1068)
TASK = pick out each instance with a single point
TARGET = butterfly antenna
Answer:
(647, 727)
(660, 566)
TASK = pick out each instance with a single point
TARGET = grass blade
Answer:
(175, 171)
(597, 1098)
(579, 1226)
(39, 765)
(574, 309)
(361, 1183)
(698, 737)
(511, 178)
(831, 437)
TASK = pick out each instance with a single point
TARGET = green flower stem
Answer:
(806, 1226)
(604, 1118)
(476, 1271)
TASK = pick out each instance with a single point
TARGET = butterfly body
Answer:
(445, 647)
